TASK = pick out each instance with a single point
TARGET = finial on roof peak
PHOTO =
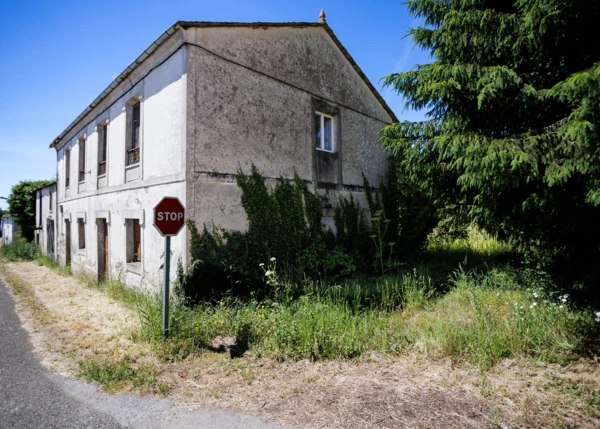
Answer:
(322, 17)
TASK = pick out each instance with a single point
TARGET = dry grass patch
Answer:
(70, 322)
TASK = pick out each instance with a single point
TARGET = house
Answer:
(9, 229)
(202, 101)
(45, 219)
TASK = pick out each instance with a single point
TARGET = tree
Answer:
(511, 139)
(21, 204)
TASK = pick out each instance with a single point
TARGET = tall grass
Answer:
(476, 248)
(19, 250)
(483, 319)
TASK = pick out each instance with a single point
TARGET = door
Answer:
(68, 242)
(102, 229)
(50, 237)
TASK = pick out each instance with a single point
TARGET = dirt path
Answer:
(68, 321)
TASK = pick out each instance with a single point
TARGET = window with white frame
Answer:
(324, 132)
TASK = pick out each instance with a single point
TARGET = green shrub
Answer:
(19, 250)
(285, 223)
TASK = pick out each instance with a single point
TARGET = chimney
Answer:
(322, 17)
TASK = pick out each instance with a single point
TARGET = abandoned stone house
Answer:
(45, 218)
(202, 101)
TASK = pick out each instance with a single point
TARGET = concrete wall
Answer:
(252, 97)
(46, 238)
(128, 192)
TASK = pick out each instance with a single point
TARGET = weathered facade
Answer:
(203, 101)
(9, 229)
(45, 219)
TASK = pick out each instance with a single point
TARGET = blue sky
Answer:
(57, 56)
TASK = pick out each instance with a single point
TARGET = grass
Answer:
(20, 249)
(483, 319)
(480, 317)
(112, 376)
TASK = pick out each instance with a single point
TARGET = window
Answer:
(81, 232)
(102, 140)
(133, 134)
(324, 135)
(50, 202)
(134, 244)
(81, 159)
(67, 167)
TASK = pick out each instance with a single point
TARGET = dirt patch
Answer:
(374, 392)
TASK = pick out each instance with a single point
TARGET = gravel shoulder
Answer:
(68, 321)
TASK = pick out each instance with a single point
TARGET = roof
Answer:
(204, 24)
(53, 183)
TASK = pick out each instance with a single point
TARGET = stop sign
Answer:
(169, 216)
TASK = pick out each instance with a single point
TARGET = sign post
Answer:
(169, 218)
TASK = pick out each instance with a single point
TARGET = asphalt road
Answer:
(31, 397)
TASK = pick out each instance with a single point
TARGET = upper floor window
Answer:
(133, 134)
(67, 167)
(102, 146)
(50, 202)
(81, 159)
(324, 135)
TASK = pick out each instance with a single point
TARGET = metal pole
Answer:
(166, 288)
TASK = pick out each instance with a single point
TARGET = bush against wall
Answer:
(285, 225)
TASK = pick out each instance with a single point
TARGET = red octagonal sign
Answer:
(169, 216)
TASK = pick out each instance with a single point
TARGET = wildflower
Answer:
(272, 259)
(533, 305)
(535, 295)
(261, 264)
(268, 273)
(561, 306)
(597, 313)
(522, 307)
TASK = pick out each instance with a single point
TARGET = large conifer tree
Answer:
(512, 136)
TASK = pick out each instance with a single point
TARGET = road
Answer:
(31, 397)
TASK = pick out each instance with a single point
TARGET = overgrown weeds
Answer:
(113, 375)
(481, 320)
(19, 250)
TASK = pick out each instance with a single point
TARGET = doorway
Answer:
(50, 237)
(68, 242)
(102, 229)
